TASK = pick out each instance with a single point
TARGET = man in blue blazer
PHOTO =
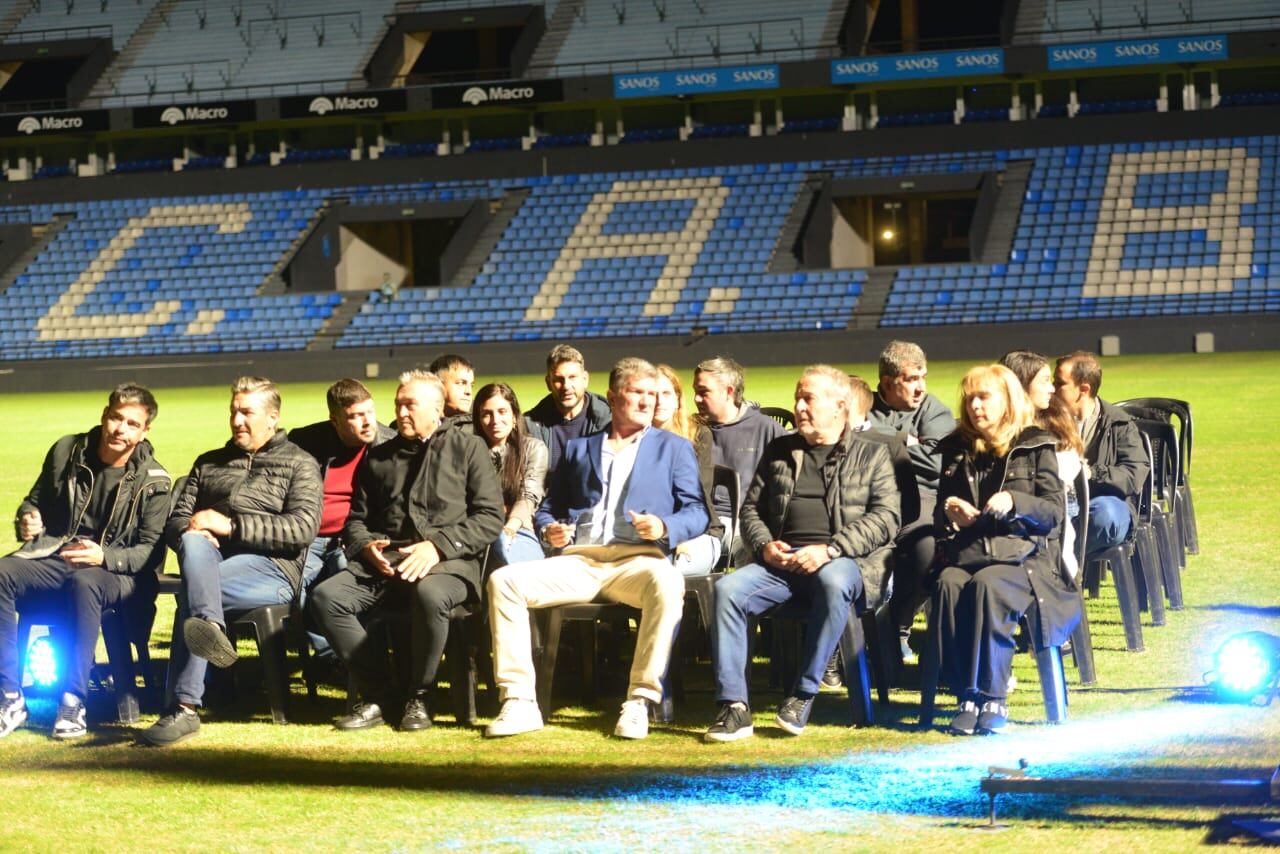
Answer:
(617, 506)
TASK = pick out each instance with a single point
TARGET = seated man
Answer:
(458, 378)
(617, 507)
(739, 433)
(569, 410)
(91, 530)
(338, 445)
(903, 406)
(821, 500)
(1117, 462)
(425, 507)
(241, 527)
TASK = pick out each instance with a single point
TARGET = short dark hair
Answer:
(344, 393)
(449, 362)
(1084, 368)
(728, 371)
(564, 353)
(138, 395)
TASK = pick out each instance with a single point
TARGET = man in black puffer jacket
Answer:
(91, 529)
(241, 527)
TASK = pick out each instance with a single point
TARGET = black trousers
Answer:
(337, 603)
(977, 614)
(84, 592)
(913, 558)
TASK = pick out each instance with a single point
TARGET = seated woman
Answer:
(999, 520)
(699, 555)
(521, 462)
(1033, 371)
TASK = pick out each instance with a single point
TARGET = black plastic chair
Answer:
(1135, 569)
(1081, 637)
(1161, 513)
(785, 417)
(1168, 409)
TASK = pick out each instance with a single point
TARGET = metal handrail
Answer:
(58, 34)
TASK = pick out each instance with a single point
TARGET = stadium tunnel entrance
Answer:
(362, 248)
(892, 221)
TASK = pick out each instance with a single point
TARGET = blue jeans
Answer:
(698, 556)
(322, 562)
(523, 547)
(210, 587)
(755, 589)
(1109, 523)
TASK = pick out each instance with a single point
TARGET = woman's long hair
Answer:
(680, 424)
(511, 474)
(1057, 419)
(1018, 415)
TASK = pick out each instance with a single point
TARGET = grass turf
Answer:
(244, 784)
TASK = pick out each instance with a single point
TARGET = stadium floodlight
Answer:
(42, 662)
(1246, 668)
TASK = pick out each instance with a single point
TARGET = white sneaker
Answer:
(70, 721)
(634, 720)
(516, 717)
(13, 713)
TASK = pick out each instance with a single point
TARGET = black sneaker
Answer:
(179, 725)
(363, 716)
(206, 639)
(831, 678)
(416, 716)
(793, 714)
(994, 717)
(13, 713)
(966, 719)
(732, 723)
(70, 721)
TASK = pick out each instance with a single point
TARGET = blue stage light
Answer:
(1247, 668)
(42, 662)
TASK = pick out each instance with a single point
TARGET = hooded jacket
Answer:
(1118, 464)
(546, 415)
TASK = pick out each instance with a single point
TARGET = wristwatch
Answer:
(833, 551)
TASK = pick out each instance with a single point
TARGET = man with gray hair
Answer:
(904, 406)
(241, 526)
(822, 503)
(739, 430)
(619, 504)
(426, 504)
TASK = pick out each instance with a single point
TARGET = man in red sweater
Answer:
(338, 445)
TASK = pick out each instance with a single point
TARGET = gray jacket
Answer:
(534, 486)
(930, 422)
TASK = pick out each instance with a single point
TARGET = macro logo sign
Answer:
(320, 106)
(172, 116)
(31, 125)
(341, 104)
(475, 96)
(496, 94)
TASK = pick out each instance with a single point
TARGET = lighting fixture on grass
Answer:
(1246, 668)
(42, 662)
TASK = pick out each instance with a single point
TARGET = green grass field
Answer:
(246, 785)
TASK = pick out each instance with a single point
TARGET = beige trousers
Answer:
(649, 583)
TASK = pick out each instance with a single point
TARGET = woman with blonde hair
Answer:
(699, 555)
(999, 520)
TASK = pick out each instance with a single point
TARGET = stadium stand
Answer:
(1126, 230)
(644, 36)
(124, 17)
(1054, 21)
(210, 51)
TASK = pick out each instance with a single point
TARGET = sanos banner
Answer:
(1136, 52)
(908, 66)
(693, 81)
